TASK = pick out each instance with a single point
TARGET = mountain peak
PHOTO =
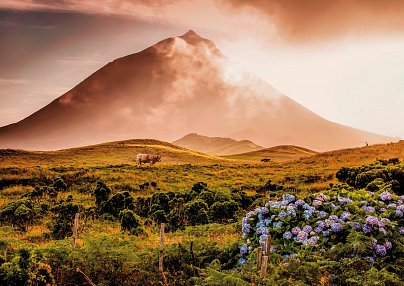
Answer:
(191, 34)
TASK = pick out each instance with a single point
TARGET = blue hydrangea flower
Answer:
(277, 224)
(244, 250)
(282, 214)
(299, 203)
(289, 198)
(386, 196)
(336, 227)
(326, 233)
(313, 240)
(322, 214)
(242, 261)
(380, 250)
(262, 230)
(306, 206)
(287, 235)
(345, 216)
(366, 228)
(267, 222)
(357, 225)
(291, 212)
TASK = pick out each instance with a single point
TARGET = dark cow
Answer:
(265, 160)
(147, 158)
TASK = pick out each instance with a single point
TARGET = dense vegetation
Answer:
(205, 244)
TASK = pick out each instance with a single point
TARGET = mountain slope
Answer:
(277, 153)
(180, 84)
(216, 145)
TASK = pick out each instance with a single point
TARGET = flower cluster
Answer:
(323, 220)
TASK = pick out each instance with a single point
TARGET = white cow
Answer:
(147, 158)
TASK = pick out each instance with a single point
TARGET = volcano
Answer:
(180, 85)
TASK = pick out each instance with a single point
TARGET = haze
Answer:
(345, 62)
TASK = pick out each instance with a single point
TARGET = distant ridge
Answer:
(277, 153)
(216, 145)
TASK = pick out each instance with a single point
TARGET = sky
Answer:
(342, 59)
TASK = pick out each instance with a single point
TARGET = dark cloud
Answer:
(305, 20)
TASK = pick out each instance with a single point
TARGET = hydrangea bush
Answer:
(320, 222)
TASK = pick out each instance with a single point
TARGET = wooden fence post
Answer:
(259, 258)
(264, 267)
(75, 229)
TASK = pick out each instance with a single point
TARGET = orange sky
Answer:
(342, 59)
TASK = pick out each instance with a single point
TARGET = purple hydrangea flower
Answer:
(321, 197)
(321, 224)
(322, 214)
(382, 230)
(317, 203)
(289, 198)
(392, 206)
(318, 229)
(372, 220)
(307, 229)
(287, 235)
(345, 216)
(369, 209)
(380, 250)
(344, 201)
(402, 230)
(262, 230)
(296, 230)
(366, 228)
(326, 233)
(388, 245)
(282, 214)
(399, 213)
(291, 212)
(336, 227)
(313, 240)
(299, 203)
(244, 250)
(386, 196)
(382, 210)
(333, 218)
(302, 235)
(356, 225)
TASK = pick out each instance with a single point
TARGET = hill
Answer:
(176, 86)
(277, 153)
(216, 145)
(112, 153)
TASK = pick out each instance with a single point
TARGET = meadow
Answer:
(201, 199)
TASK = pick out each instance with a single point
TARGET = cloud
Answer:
(4, 81)
(307, 20)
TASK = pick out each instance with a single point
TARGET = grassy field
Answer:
(114, 163)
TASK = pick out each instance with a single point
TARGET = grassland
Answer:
(114, 163)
